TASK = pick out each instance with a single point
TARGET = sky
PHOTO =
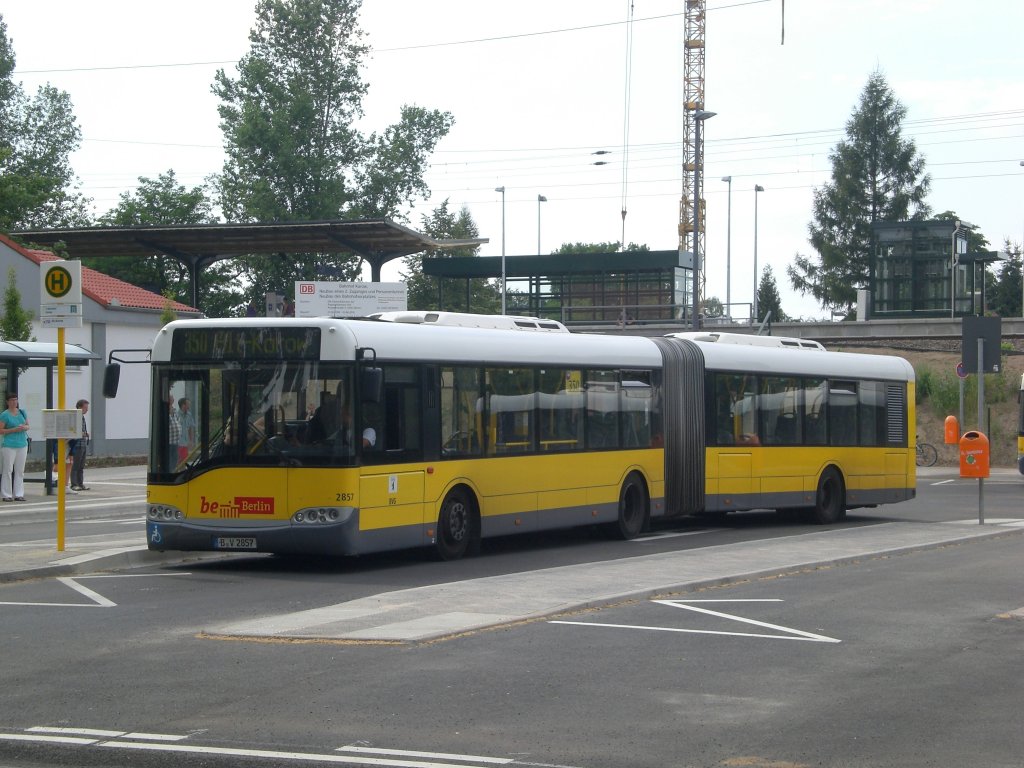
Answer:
(537, 88)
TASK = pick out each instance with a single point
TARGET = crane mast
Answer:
(693, 151)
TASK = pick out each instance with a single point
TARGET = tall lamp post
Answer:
(757, 188)
(540, 199)
(728, 252)
(502, 190)
(698, 117)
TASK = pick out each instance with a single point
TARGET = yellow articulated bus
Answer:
(343, 437)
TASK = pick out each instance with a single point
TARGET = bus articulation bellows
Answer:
(344, 437)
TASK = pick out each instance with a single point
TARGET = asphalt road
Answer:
(906, 659)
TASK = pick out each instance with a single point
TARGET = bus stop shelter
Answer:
(16, 357)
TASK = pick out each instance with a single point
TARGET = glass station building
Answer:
(912, 271)
(579, 288)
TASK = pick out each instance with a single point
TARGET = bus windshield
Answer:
(252, 413)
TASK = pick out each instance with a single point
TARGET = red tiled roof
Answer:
(105, 290)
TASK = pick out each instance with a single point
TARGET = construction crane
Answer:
(693, 142)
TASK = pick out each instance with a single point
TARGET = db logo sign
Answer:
(307, 288)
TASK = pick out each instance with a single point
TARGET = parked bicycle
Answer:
(927, 455)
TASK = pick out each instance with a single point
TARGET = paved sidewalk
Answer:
(440, 610)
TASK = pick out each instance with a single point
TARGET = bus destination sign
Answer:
(247, 343)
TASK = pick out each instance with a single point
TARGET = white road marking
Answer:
(84, 590)
(790, 634)
(436, 755)
(276, 755)
(98, 601)
(75, 731)
(46, 739)
(158, 742)
(656, 536)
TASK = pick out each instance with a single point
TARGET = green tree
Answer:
(768, 298)
(570, 248)
(163, 201)
(168, 315)
(1004, 292)
(37, 136)
(877, 175)
(16, 323)
(293, 151)
(484, 296)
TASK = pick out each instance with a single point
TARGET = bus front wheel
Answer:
(633, 511)
(457, 530)
(830, 501)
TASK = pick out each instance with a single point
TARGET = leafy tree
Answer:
(293, 150)
(713, 307)
(976, 243)
(37, 137)
(569, 248)
(16, 323)
(768, 298)
(484, 296)
(877, 175)
(163, 201)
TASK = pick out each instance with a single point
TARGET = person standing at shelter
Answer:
(78, 451)
(14, 428)
(187, 424)
(173, 434)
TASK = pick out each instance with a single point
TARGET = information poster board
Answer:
(330, 299)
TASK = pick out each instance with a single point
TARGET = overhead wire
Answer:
(625, 116)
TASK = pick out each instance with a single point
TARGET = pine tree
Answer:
(16, 323)
(877, 175)
(768, 298)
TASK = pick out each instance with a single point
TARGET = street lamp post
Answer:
(757, 188)
(502, 190)
(728, 252)
(698, 117)
(540, 199)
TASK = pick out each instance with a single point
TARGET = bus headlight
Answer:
(164, 512)
(320, 515)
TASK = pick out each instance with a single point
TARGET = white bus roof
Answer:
(468, 320)
(750, 339)
(421, 342)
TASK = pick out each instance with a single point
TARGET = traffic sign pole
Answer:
(60, 307)
(61, 463)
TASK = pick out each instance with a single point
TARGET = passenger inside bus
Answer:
(369, 433)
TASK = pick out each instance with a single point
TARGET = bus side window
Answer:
(842, 412)
(559, 410)
(815, 404)
(461, 418)
(511, 405)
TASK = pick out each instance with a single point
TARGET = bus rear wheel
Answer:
(457, 530)
(633, 508)
(830, 501)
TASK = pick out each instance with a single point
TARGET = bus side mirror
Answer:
(111, 377)
(371, 385)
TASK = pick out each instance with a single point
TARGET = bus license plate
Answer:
(234, 542)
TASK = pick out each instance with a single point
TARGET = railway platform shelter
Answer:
(631, 287)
